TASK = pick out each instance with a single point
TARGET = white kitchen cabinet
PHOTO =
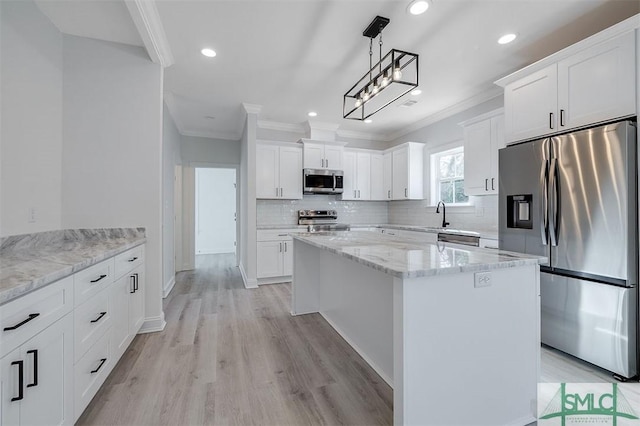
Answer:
(278, 172)
(274, 255)
(127, 301)
(37, 378)
(322, 155)
(378, 192)
(483, 137)
(593, 85)
(387, 175)
(357, 175)
(136, 300)
(408, 171)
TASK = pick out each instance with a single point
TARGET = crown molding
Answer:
(353, 134)
(482, 97)
(147, 21)
(279, 126)
(252, 108)
(321, 125)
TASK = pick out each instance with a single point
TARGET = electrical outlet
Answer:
(482, 279)
(31, 215)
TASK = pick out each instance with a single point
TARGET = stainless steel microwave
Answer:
(319, 181)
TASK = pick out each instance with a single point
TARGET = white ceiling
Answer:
(295, 56)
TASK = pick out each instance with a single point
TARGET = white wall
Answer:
(212, 151)
(112, 151)
(170, 158)
(248, 202)
(31, 119)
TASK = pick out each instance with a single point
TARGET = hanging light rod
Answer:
(393, 76)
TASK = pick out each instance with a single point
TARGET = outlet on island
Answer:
(482, 279)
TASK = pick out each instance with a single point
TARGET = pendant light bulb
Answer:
(375, 89)
(365, 95)
(358, 102)
(397, 74)
(384, 82)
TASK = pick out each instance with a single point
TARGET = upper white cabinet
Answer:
(378, 192)
(387, 175)
(357, 175)
(594, 84)
(407, 171)
(278, 171)
(323, 155)
(483, 137)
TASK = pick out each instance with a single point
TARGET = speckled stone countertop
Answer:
(410, 259)
(31, 261)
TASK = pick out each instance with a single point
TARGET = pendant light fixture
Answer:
(393, 76)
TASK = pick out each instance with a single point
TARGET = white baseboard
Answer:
(248, 283)
(276, 280)
(153, 324)
(168, 287)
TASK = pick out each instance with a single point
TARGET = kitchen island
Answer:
(453, 329)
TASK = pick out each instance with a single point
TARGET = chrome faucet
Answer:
(444, 214)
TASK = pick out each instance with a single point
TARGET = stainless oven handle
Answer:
(334, 181)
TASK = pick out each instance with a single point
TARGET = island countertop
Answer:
(29, 262)
(410, 259)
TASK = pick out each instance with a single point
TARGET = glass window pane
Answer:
(446, 192)
(460, 165)
(459, 192)
(447, 166)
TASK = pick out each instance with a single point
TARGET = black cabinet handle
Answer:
(20, 365)
(13, 327)
(133, 259)
(99, 317)
(133, 284)
(562, 117)
(486, 184)
(551, 120)
(492, 181)
(102, 361)
(35, 368)
(98, 279)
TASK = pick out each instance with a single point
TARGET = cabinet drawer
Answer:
(92, 280)
(91, 319)
(276, 234)
(26, 316)
(90, 372)
(127, 261)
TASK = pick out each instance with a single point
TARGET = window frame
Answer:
(434, 171)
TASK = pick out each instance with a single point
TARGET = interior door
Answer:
(215, 210)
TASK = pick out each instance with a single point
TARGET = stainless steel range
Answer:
(321, 220)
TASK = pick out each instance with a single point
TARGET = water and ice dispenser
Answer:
(519, 211)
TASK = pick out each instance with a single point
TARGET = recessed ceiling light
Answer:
(507, 38)
(209, 53)
(368, 120)
(312, 114)
(416, 92)
(418, 7)
(209, 117)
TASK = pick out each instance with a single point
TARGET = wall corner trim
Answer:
(248, 283)
(153, 324)
(168, 287)
(149, 25)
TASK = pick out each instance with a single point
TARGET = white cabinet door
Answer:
(121, 337)
(350, 180)
(530, 105)
(387, 176)
(363, 175)
(313, 155)
(377, 178)
(136, 300)
(269, 259)
(597, 84)
(287, 258)
(46, 365)
(497, 143)
(400, 170)
(477, 158)
(290, 173)
(333, 157)
(267, 167)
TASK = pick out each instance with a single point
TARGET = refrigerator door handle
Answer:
(544, 184)
(554, 221)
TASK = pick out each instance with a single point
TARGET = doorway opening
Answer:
(215, 211)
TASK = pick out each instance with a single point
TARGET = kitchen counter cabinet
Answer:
(279, 172)
(432, 320)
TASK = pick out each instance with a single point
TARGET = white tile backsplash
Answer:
(285, 212)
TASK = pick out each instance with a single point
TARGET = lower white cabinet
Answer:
(127, 300)
(91, 371)
(37, 378)
(274, 254)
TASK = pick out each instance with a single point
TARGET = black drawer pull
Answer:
(135, 282)
(99, 317)
(133, 259)
(20, 365)
(35, 368)
(102, 361)
(14, 327)
(98, 279)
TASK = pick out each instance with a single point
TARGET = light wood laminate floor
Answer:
(229, 355)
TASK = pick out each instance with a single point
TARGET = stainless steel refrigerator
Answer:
(573, 199)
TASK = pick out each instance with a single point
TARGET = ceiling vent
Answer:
(408, 104)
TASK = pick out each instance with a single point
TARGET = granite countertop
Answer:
(31, 261)
(410, 259)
